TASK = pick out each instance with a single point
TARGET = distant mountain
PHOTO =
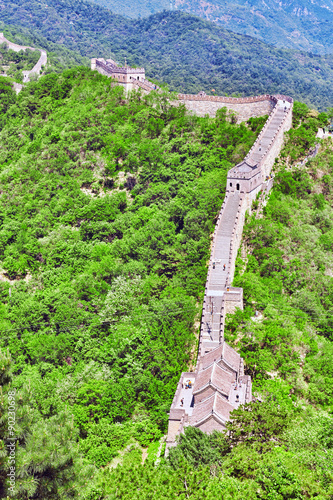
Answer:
(298, 24)
(135, 9)
(186, 52)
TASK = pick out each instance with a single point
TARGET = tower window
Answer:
(237, 187)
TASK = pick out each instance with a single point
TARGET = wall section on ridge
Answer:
(244, 107)
(277, 145)
(228, 387)
(244, 182)
(36, 69)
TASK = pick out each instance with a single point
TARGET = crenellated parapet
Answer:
(243, 108)
(248, 176)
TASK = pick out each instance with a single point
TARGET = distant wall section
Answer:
(36, 69)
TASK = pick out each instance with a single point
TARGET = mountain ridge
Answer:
(107, 209)
(186, 52)
(288, 24)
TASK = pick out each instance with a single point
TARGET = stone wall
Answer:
(236, 240)
(38, 66)
(246, 198)
(244, 108)
(177, 415)
(233, 300)
(13, 46)
(277, 145)
(249, 196)
(245, 182)
(129, 78)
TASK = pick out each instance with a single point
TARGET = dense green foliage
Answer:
(297, 24)
(46, 459)
(184, 51)
(7, 95)
(106, 210)
(134, 8)
(280, 446)
(283, 452)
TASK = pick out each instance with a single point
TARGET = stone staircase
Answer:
(222, 242)
(145, 85)
(213, 314)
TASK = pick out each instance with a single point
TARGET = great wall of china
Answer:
(26, 74)
(218, 384)
(205, 397)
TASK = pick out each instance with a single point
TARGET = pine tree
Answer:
(47, 461)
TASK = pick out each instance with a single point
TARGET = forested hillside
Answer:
(281, 445)
(182, 50)
(106, 210)
(298, 24)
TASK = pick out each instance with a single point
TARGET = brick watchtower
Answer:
(125, 76)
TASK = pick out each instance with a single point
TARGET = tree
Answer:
(261, 423)
(5, 379)
(38, 458)
(199, 449)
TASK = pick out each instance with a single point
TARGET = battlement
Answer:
(206, 397)
(242, 108)
(202, 96)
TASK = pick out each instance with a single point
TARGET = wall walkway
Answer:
(219, 376)
(204, 398)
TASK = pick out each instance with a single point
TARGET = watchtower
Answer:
(124, 75)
